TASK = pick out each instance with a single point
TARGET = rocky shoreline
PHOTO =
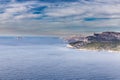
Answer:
(109, 41)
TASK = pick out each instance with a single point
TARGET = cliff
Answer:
(98, 41)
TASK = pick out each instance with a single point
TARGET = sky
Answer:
(58, 17)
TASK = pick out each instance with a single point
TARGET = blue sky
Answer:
(58, 17)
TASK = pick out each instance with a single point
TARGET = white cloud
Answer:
(81, 9)
(26, 16)
(60, 16)
(16, 11)
(95, 9)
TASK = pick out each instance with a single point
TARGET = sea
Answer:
(48, 58)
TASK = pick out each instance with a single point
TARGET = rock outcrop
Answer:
(101, 41)
(104, 37)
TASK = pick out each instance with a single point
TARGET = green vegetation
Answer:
(102, 41)
(115, 46)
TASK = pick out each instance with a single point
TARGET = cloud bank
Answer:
(58, 17)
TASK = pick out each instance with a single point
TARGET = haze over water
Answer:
(48, 58)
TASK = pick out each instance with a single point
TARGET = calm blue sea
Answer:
(48, 58)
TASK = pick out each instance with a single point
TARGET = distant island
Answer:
(98, 41)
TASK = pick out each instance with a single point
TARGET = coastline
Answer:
(83, 49)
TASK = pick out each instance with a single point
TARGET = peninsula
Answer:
(98, 41)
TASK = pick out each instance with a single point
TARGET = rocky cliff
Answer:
(98, 41)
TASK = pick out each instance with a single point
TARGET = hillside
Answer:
(98, 41)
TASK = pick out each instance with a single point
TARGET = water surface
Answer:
(47, 58)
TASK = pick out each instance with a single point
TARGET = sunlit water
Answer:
(47, 58)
